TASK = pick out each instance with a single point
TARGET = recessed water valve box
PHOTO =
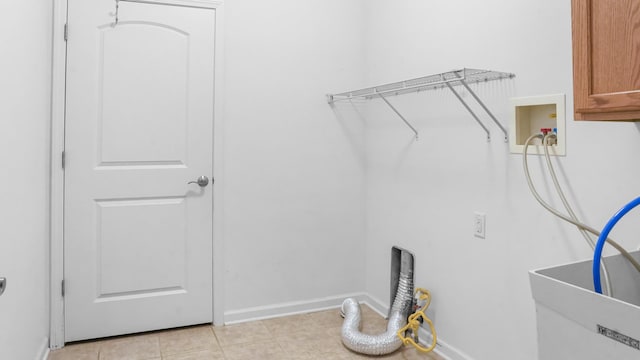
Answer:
(533, 115)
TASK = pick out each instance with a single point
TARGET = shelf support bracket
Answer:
(400, 115)
(450, 79)
(469, 110)
(485, 109)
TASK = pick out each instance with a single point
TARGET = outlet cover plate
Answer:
(479, 225)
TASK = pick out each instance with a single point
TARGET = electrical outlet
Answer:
(479, 225)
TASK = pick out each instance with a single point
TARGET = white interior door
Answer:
(139, 126)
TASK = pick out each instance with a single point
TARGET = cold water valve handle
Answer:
(597, 254)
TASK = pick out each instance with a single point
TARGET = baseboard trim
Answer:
(443, 349)
(43, 353)
(377, 305)
(289, 308)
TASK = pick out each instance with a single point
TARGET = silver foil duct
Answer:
(388, 341)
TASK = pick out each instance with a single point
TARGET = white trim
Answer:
(443, 349)
(43, 353)
(56, 247)
(289, 308)
(218, 170)
(378, 306)
(56, 330)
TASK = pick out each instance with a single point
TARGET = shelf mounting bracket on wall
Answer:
(470, 111)
(448, 79)
(400, 115)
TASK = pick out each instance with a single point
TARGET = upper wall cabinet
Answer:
(606, 59)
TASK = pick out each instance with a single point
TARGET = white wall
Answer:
(293, 171)
(24, 180)
(293, 182)
(300, 176)
(422, 195)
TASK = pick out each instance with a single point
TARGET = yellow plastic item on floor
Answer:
(413, 323)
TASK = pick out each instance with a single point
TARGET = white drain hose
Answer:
(388, 341)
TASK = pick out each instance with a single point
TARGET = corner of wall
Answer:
(43, 353)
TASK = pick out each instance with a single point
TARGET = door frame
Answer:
(58, 96)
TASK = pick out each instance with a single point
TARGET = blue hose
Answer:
(597, 254)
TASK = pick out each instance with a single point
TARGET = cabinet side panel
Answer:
(581, 56)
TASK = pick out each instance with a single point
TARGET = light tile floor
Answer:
(313, 336)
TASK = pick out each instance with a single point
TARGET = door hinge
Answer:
(66, 32)
(64, 159)
(62, 287)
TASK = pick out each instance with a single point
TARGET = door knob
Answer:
(202, 181)
(3, 284)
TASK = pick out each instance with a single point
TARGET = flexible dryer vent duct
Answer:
(388, 341)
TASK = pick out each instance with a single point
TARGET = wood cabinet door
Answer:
(606, 59)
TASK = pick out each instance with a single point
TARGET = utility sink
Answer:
(574, 322)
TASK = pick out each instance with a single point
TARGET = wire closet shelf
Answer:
(450, 79)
